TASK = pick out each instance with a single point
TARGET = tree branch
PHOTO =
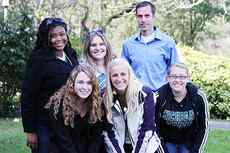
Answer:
(189, 6)
(120, 14)
(85, 17)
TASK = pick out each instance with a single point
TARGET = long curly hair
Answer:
(68, 97)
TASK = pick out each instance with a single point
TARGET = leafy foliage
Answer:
(17, 37)
(185, 24)
(76, 43)
(212, 73)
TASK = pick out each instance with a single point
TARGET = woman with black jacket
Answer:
(47, 70)
(77, 114)
(181, 113)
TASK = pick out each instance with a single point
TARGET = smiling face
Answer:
(145, 20)
(119, 76)
(97, 48)
(83, 85)
(58, 38)
(178, 78)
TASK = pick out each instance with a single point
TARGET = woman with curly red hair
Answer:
(77, 114)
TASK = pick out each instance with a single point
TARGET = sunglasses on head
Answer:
(96, 31)
(51, 21)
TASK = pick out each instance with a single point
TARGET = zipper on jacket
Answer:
(126, 125)
(123, 112)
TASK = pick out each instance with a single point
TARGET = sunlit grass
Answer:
(218, 142)
(12, 139)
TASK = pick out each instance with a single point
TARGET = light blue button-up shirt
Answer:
(150, 61)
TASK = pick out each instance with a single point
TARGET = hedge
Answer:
(212, 74)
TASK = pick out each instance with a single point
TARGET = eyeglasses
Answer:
(50, 21)
(180, 77)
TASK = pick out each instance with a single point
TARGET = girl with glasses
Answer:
(181, 113)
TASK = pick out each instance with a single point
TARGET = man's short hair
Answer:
(144, 4)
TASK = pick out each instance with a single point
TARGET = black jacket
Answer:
(84, 137)
(44, 75)
(185, 122)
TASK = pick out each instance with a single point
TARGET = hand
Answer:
(32, 140)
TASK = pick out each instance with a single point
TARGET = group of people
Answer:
(141, 102)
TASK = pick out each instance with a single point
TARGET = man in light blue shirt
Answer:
(150, 52)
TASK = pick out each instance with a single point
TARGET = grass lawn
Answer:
(218, 141)
(12, 139)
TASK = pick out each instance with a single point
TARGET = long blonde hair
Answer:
(132, 91)
(86, 51)
(68, 97)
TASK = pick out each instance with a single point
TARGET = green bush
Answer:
(76, 43)
(17, 37)
(212, 74)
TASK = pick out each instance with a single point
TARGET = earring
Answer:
(114, 92)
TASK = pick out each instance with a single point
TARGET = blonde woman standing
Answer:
(98, 53)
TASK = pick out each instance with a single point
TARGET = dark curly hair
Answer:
(43, 31)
